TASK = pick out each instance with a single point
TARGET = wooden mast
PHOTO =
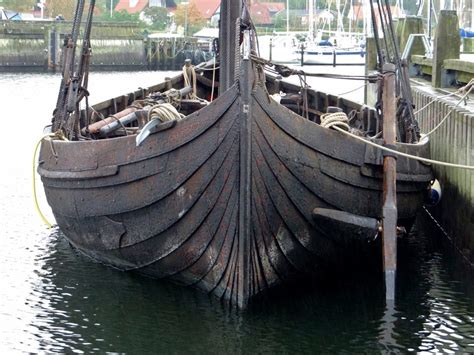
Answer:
(228, 42)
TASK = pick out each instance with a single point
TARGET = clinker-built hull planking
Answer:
(224, 200)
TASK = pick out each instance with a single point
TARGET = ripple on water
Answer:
(54, 299)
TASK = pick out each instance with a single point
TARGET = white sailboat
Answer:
(280, 47)
(342, 48)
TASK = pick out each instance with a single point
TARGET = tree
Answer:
(18, 5)
(190, 17)
(61, 7)
(158, 16)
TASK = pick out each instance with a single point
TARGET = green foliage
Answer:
(61, 7)
(190, 17)
(295, 22)
(121, 15)
(18, 5)
(158, 16)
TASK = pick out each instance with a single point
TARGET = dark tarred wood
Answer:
(389, 209)
(223, 201)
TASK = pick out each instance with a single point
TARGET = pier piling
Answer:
(447, 45)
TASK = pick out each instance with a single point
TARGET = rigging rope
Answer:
(189, 76)
(338, 127)
(213, 79)
(285, 71)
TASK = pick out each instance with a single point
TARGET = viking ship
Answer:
(242, 191)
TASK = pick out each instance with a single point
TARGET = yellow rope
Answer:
(35, 196)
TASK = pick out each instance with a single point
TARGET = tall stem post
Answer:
(389, 209)
(228, 42)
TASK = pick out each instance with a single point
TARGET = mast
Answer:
(430, 6)
(367, 18)
(311, 19)
(229, 30)
(339, 18)
(287, 17)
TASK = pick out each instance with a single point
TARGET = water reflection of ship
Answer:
(87, 306)
(84, 306)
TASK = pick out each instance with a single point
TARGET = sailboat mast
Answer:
(351, 17)
(287, 16)
(228, 42)
(311, 19)
(430, 6)
(339, 18)
(367, 18)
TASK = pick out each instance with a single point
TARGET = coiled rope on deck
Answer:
(57, 135)
(335, 119)
(336, 122)
(165, 112)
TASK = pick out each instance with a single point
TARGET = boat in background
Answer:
(326, 52)
(279, 48)
(327, 47)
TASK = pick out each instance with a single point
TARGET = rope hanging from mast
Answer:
(408, 129)
(74, 81)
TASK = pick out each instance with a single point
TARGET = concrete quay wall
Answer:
(453, 142)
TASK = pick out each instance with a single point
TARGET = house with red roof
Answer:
(274, 7)
(132, 6)
(137, 6)
(207, 8)
(260, 14)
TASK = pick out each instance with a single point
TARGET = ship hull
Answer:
(224, 201)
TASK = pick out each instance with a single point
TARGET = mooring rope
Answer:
(467, 89)
(339, 124)
(458, 92)
(57, 135)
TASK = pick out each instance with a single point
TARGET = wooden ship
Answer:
(239, 192)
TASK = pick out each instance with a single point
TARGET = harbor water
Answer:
(54, 299)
